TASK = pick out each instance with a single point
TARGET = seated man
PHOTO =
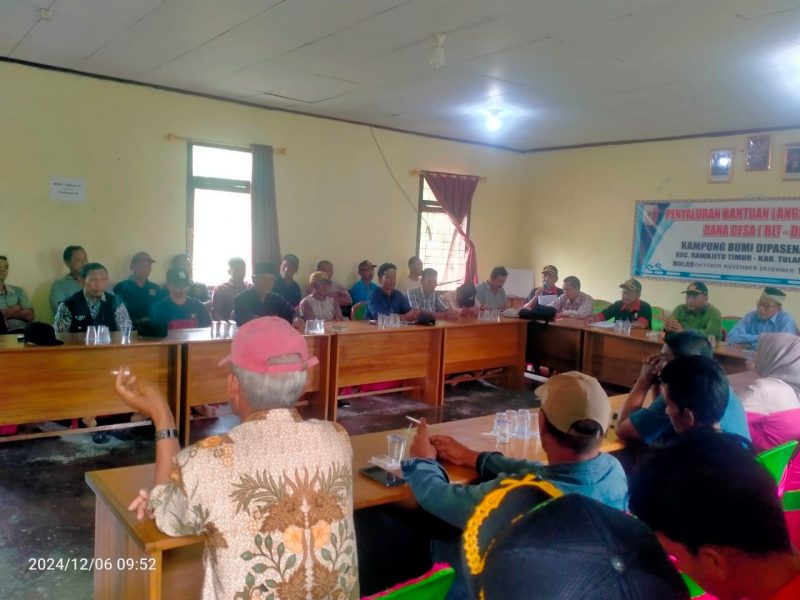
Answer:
(15, 308)
(386, 300)
(548, 287)
(178, 310)
(222, 300)
(696, 314)
(427, 301)
(490, 293)
(767, 318)
(294, 537)
(340, 295)
(69, 285)
(717, 512)
(138, 292)
(463, 300)
(197, 290)
(573, 419)
(285, 285)
(363, 288)
(652, 424)
(413, 281)
(260, 300)
(319, 304)
(93, 305)
(573, 303)
(631, 308)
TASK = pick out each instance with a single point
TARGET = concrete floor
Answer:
(48, 510)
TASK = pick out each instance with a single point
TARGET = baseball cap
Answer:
(365, 264)
(695, 288)
(570, 546)
(574, 396)
(142, 256)
(550, 269)
(632, 285)
(259, 342)
(319, 277)
(178, 277)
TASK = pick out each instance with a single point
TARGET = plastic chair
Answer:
(658, 311)
(433, 585)
(598, 305)
(776, 460)
(728, 323)
(358, 312)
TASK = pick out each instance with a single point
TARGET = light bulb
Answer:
(493, 122)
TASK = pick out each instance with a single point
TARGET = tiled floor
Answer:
(48, 511)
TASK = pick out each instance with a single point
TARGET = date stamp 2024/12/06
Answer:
(91, 564)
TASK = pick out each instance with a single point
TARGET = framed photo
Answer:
(791, 162)
(720, 166)
(758, 152)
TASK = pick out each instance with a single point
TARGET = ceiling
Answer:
(561, 72)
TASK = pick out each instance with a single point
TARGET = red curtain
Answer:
(454, 193)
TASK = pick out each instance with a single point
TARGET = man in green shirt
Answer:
(696, 313)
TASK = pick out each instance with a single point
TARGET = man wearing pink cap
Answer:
(274, 495)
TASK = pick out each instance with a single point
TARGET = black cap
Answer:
(695, 288)
(573, 547)
(41, 334)
(178, 277)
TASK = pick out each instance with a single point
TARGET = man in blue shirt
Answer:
(652, 424)
(386, 300)
(767, 318)
(362, 288)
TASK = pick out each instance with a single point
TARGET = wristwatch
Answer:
(165, 434)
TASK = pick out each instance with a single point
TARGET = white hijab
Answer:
(775, 386)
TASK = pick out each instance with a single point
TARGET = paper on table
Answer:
(604, 324)
(546, 300)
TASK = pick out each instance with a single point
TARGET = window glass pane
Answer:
(221, 163)
(440, 247)
(221, 230)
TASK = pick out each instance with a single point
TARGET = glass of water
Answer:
(91, 335)
(501, 428)
(125, 333)
(103, 335)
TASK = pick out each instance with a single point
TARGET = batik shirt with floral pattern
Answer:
(274, 499)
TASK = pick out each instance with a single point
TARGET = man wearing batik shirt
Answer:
(92, 306)
(178, 310)
(573, 303)
(631, 308)
(274, 496)
(222, 300)
(427, 300)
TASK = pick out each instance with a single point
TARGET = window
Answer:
(219, 214)
(438, 244)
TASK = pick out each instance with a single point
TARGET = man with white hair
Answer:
(767, 318)
(274, 495)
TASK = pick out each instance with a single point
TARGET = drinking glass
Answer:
(311, 327)
(395, 320)
(396, 447)
(214, 329)
(232, 328)
(382, 321)
(501, 428)
(125, 334)
(103, 335)
(626, 327)
(523, 424)
(91, 335)
(320, 328)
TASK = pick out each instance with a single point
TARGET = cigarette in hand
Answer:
(124, 372)
(413, 420)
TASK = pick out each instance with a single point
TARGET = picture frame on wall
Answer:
(791, 162)
(720, 165)
(758, 153)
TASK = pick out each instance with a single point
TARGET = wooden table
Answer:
(46, 383)
(557, 345)
(178, 565)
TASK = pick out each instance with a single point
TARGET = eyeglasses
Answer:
(766, 305)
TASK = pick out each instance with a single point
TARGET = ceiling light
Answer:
(45, 14)
(493, 121)
(437, 58)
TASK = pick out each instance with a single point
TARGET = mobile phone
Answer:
(382, 476)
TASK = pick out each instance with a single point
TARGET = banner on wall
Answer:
(750, 241)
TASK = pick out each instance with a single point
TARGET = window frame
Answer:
(431, 206)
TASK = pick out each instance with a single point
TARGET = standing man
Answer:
(573, 303)
(363, 288)
(222, 301)
(138, 292)
(386, 300)
(293, 534)
(92, 305)
(767, 318)
(15, 308)
(261, 301)
(631, 308)
(75, 259)
(696, 314)
(427, 300)
(548, 287)
(413, 281)
(285, 285)
(179, 310)
(490, 294)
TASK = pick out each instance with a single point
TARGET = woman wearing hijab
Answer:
(771, 395)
